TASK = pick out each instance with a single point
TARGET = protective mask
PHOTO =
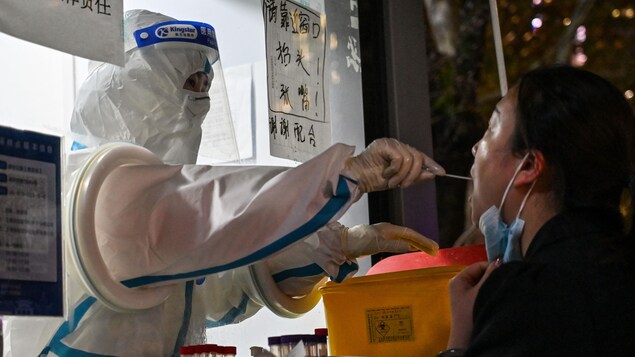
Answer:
(179, 144)
(196, 105)
(503, 240)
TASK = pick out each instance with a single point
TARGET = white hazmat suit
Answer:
(196, 229)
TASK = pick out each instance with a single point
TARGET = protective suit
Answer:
(199, 231)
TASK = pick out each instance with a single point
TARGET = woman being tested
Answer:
(551, 176)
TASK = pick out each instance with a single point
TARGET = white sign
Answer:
(27, 219)
(31, 277)
(91, 29)
(299, 126)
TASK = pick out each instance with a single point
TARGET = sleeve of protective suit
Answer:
(160, 224)
(229, 297)
(298, 268)
(333, 251)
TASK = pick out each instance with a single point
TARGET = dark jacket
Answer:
(572, 295)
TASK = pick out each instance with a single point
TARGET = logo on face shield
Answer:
(162, 32)
(176, 32)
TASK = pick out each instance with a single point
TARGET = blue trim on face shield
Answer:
(330, 209)
(177, 31)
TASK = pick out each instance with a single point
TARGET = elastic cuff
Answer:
(452, 352)
(345, 269)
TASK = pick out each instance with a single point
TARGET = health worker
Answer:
(189, 236)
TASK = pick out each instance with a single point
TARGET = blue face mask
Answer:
(503, 240)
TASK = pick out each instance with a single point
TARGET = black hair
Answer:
(584, 127)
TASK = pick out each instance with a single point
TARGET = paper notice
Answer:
(299, 126)
(91, 29)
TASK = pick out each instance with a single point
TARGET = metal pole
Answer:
(498, 45)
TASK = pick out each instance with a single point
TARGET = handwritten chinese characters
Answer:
(353, 60)
(86, 28)
(100, 6)
(295, 42)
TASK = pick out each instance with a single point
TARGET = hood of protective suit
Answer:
(144, 102)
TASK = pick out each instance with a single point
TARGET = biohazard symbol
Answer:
(382, 328)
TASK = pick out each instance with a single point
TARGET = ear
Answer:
(532, 168)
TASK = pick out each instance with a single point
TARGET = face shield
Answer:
(168, 97)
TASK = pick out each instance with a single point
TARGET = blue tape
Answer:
(231, 315)
(345, 269)
(187, 315)
(60, 349)
(301, 272)
(77, 146)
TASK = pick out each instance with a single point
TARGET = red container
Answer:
(418, 260)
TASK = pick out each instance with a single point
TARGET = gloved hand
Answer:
(333, 250)
(330, 251)
(365, 239)
(387, 163)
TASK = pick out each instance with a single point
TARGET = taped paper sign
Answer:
(299, 126)
(91, 29)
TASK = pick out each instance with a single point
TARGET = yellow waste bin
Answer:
(404, 313)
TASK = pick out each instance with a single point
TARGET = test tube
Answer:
(229, 351)
(211, 350)
(320, 346)
(322, 341)
(192, 350)
(311, 345)
(288, 342)
(185, 351)
(255, 350)
(274, 346)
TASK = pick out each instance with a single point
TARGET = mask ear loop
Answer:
(522, 204)
(509, 185)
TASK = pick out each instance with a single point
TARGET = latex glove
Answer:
(365, 239)
(387, 163)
